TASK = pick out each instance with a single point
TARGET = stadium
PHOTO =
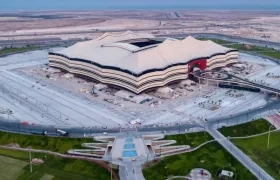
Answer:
(139, 62)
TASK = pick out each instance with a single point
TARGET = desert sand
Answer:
(90, 24)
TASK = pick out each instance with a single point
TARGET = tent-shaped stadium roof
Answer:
(115, 50)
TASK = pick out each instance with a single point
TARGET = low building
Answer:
(100, 87)
(226, 174)
(165, 90)
(123, 94)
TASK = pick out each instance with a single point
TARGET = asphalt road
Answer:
(11, 125)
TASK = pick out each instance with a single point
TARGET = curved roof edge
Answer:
(126, 33)
(144, 72)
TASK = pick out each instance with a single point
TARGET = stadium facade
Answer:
(138, 62)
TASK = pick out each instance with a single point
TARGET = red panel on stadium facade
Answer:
(201, 63)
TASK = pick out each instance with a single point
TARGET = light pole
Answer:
(268, 138)
(30, 162)
(111, 167)
(166, 171)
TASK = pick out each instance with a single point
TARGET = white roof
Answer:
(115, 50)
(135, 121)
(164, 90)
(100, 86)
(122, 94)
(140, 98)
(227, 69)
(227, 173)
(187, 81)
(239, 65)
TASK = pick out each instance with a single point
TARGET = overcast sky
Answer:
(134, 4)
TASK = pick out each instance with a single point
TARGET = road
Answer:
(240, 156)
(242, 117)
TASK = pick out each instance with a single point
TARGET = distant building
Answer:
(138, 62)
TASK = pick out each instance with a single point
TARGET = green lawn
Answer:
(256, 149)
(10, 168)
(252, 48)
(218, 41)
(246, 129)
(270, 52)
(192, 139)
(212, 157)
(58, 168)
(275, 55)
(9, 50)
(57, 144)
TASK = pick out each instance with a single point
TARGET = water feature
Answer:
(129, 153)
(129, 146)
(128, 140)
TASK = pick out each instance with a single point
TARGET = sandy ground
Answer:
(250, 24)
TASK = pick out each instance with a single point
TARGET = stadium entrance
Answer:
(196, 65)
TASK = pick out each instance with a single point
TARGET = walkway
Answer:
(130, 167)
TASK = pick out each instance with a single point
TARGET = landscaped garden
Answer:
(268, 157)
(53, 167)
(56, 144)
(192, 139)
(212, 157)
(275, 55)
(15, 165)
(218, 41)
(10, 50)
(247, 129)
(252, 48)
(266, 51)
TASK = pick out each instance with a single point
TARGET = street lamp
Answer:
(166, 171)
(30, 162)
(111, 167)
